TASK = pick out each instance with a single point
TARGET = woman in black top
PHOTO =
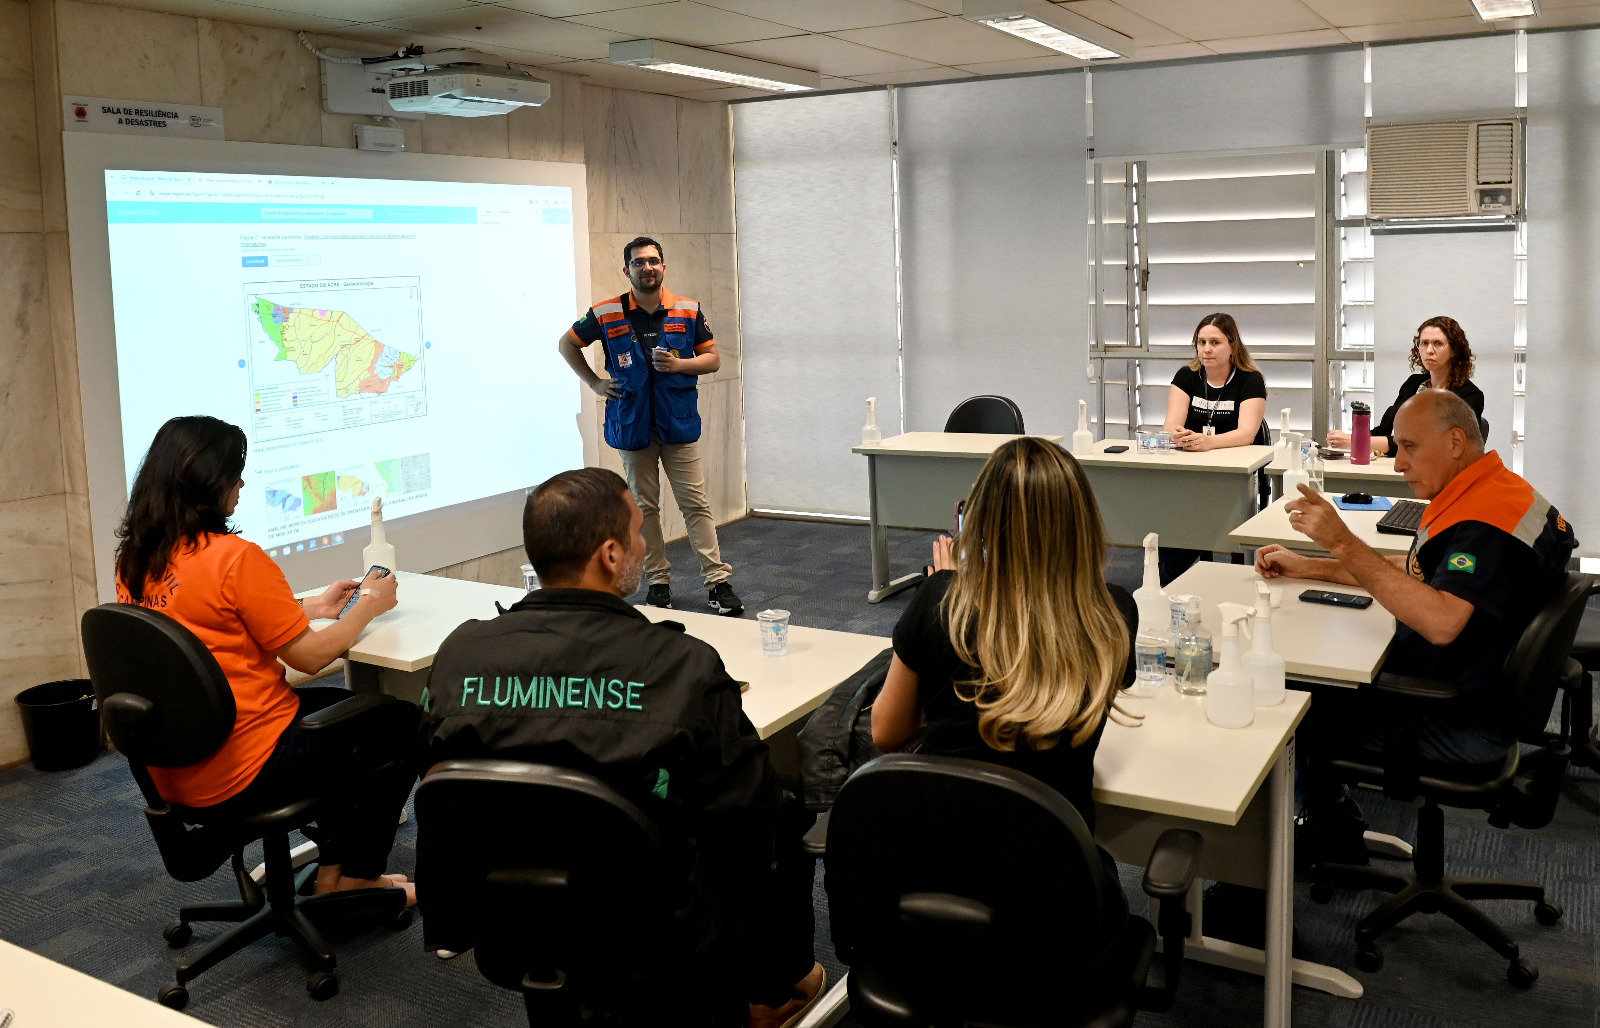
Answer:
(1014, 652)
(1219, 399)
(1441, 352)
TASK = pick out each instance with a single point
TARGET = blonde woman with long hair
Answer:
(1014, 651)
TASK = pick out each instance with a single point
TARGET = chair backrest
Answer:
(164, 700)
(1532, 669)
(1483, 428)
(962, 891)
(993, 415)
(549, 874)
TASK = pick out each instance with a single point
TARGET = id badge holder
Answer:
(1208, 430)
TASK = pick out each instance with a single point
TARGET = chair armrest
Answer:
(1174, 863)
(373, 726)
(345, 711)
(1416, 688)
(815, 841)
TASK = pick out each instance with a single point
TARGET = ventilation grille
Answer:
(1497, 154)
(402, 88)
(1419, 171)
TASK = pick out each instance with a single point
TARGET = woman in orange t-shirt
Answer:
(177, 555)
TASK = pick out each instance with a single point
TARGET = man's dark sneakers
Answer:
(1335, 833)
(660, 595)
(723, 601)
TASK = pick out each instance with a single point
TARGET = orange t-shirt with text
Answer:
(230, 594)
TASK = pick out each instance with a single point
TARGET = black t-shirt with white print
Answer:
(1218, 406)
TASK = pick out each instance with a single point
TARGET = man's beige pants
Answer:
(688, 478)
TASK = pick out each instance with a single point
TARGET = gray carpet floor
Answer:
(81, 883)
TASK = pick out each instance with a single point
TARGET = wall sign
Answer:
(140, 117)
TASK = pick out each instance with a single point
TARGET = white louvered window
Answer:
(1351, 372)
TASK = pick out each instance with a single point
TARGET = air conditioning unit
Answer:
(1444, 170)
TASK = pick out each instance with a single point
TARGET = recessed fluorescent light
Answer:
(1044, 23)
(1496, 10)
(728, 69)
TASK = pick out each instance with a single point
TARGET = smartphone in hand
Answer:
(373, 573)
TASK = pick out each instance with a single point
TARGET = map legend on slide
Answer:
(332, 355)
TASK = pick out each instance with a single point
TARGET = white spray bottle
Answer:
(871, 435)
(1281, 447)
(1265, 665)
(1153, 640)
(1296, 475)
(379, 552)
(1230, 690)
(1083, 439)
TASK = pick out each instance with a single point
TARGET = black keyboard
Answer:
(1403, 518)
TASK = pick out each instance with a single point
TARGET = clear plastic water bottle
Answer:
(1150, 661)
(1191, 647)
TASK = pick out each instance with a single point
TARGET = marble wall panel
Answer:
(605, 263)
(30, 461)
(80, 553)
(124, 53)
(64, 339)
(47, 114)
(38, 635)
(466, 137)
(552, 131)
(268, 85)
(630, 145)
(705, 167)
(21, 201)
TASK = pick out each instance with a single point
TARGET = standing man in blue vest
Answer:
(656, 346)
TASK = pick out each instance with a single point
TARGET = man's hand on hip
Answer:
(610, 388)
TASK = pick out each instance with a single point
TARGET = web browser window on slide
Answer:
(373, 338)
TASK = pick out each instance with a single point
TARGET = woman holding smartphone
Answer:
(1443, 357)
(177, 555)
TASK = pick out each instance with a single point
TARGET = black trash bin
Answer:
(61, 724)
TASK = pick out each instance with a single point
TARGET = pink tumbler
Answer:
(1360, 433)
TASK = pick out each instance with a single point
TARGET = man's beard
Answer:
(632, 574)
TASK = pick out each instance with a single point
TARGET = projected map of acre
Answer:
(331, 355)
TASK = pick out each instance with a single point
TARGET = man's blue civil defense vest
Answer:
(663, 402)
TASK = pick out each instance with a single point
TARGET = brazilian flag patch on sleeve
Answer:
(1462, 562)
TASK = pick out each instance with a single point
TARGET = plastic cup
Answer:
(774, 632)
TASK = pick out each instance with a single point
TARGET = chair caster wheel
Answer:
(400, 920)
(174, 996)
(1547, 913)
(1522, 974)
(322, 985)
(1369, 959)
(178, 933)
(1321, 892)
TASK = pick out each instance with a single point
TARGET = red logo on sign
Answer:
(81, 113)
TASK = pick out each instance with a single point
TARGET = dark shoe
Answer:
(723, 601)
(660, 595)
(1334, 834)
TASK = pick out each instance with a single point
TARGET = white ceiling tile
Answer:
(1281, 41)
(1170, 52)
(684, 21)
(368, 10)
(826, 54)
(487, 25)
(1553, 5)
(948, 41)
(238, 14)
(1218, 19)
(1342, 13)
(942, 6)
(1057, 63)
(395, 38)
(829, 15)
(567, 8)
(1466, 26)
(622, 76)
(906, 78)
(730, 93)
(1118, 18)
(1551, 18)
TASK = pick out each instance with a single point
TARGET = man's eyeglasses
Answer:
(645, 262)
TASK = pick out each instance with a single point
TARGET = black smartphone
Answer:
(373, 572)
(961, 515)
(1334, 599)
(1116, 449)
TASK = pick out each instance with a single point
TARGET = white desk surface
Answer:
(1231, 459)
(942, 444)
(429, 608)
(782, 689)
(1177, 763)
(1317, 642)
(1272, 525)
(1381, 467)
(41, 993)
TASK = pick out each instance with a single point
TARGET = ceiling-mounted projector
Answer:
(467, 90)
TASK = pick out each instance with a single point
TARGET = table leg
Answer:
(1280, 887)
(882, 587)
(362, 677)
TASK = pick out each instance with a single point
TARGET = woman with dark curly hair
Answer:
(1443, 358)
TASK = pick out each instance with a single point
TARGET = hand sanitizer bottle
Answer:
(1280, 448)
(1265, 665)
(379, 552)
(1083, 439)
(1230, 690)
(870, 434)
(1296, 475)
(1191, 646)
(1153, 640)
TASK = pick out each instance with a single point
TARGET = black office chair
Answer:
(165, 702)
(1483, 427)
(1522, 789)
(961, 892)
(991, 415)
(1577, 721)
(567, 893)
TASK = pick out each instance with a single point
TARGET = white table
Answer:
(1340, 476)
(914, 481)
(1272, 525)
(1190, 499)
(41, 993)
